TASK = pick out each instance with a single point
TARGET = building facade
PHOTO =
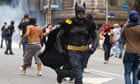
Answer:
(95, 7)
(62, 9)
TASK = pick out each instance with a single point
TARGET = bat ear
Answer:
(84, 4)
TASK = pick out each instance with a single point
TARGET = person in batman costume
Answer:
(69, 44)
(77, 33)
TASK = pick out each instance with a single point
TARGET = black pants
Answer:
(2, 39)
(8, 46)
(107, 48)
(77, 60)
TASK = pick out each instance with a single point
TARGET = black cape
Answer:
(138, 74)
(50, 57)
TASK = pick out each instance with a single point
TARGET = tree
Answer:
(137, 5)
(5, 1)
(134, 5)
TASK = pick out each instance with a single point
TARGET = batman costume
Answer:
(69, 44)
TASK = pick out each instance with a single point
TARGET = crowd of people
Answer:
(75, 40)
(110, 39)
(123, 41)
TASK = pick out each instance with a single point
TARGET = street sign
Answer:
(54, 6)
(61, 6)
(125, 7)
(111, 15)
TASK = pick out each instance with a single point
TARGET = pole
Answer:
(106, 2)
(49, 12)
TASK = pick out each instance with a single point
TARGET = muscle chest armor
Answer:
(78, 35)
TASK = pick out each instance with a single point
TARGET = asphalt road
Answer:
(99, 73)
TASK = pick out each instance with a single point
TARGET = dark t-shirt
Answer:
(3, 31)
(9, 31)
(107, 39)
(23, 26)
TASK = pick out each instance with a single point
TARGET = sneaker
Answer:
(11, 53)
(23, 71)
(106, 62)
(86, 70)
(72, 81)
(39, 73)
(66, 79)
(21, 68)
(5, 53)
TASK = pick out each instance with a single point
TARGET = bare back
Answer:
(34, 34)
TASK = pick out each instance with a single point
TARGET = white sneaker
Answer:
(66, 78)
(106, 62)
(86, 70)
(39, 73)
(23, 71)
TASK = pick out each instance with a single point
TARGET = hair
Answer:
(5, 22)
(12, 21)
(26, 16)
(33, 21)
(49, 25)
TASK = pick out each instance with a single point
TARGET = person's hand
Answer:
(47, 30)
(20, 44)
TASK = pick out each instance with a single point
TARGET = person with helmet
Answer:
(106, 44)
(74, 39)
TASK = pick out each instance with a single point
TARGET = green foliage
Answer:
(4, 1)
(137, 5)
(125, 1)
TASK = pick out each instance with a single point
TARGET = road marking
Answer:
(91, 80)
(106, 74)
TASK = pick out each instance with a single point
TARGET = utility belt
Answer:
(78, 48)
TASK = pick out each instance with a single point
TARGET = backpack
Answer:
(7, 31)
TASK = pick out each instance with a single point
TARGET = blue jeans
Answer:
(131, 64)
(25, 44)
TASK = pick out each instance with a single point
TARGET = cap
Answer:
(133, 16)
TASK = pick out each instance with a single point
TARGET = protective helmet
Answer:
(133, 16)
(80, 8)
(107, 28)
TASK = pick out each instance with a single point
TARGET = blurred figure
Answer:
(101, 38)
(93, 44)
(8, 37)
(46, 31)
(131, 33)
(25, 21)
(115, 41)
(23, 27)
(122, 43)
(3, 33)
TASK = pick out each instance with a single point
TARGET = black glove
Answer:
(91, 50)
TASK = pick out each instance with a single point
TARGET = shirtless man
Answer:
(34, 36)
